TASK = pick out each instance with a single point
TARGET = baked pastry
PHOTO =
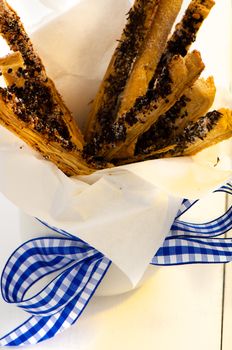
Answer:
(185, 33)
(30, 105)
(195, 102)
(150, 54)
(105, 104)
(149, 105)
(179, 74)
(152, 59)
(207, 131)
(204, 132)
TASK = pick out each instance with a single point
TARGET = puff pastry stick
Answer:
(214, 127)
(185, 33)
(195, 102)
(181, 40)
(207, 131)
(179, 74)
(104, 106)
(151, 52)
(31, 107)
(67, 160)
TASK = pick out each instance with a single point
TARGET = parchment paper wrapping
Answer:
(124, 212)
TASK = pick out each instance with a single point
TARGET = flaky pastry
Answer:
(105, 103)
(195, 102)
(149, 105)
(180, 74)
(30, 105)
(151, 52)
(202, 133)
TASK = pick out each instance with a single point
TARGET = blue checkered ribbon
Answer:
(79, 269)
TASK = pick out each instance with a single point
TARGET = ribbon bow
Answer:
(80, 269)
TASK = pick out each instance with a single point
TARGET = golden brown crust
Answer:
(200, 98)
(144, 87)
(12, 30)
(185, 32)
(179, 75)
(113, 140)
(14, 33)
(195, 102)
(31, 106)
(67, 161)
(214, 127)
(105, 103)
(215, 132)
(151, 52)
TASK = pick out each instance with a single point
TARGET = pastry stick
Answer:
(151, 52)
(214, 127)
(31, 107)
(49, 136)
(67, 159)
(105, 104)
(179, 74)
(207, 131)
(180, 42)
(14, 33)
(185, 33)
(195, 102)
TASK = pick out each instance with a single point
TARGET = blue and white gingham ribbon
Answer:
(80, 268)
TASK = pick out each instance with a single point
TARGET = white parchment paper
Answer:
(124, 212)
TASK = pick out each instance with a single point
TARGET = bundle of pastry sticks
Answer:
(151, 103)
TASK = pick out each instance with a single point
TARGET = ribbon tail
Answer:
(37, 329)
(187, 204)
(181, 251)
(214, 228)
(226, 189)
